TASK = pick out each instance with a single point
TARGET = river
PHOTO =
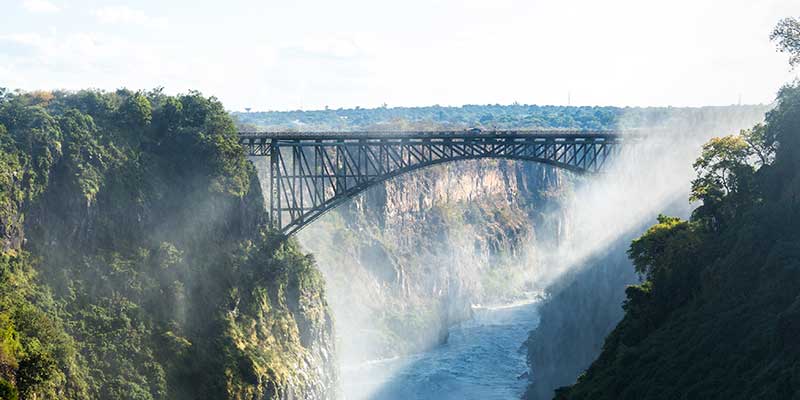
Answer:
(481, 360)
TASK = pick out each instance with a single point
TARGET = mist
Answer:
(653, 173)
(371, 250)
(584, 270)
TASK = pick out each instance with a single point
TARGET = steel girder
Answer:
(313, 172)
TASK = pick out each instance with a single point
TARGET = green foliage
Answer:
(36, 355)
(721, 167)
(135, 111)
(10, 345)
(783, 129)
(86, 160)
(716, 315)
(666, 258)
(760, 146)
(725, 176)
(663, 245)
(787, 34)
(151, 276)
(8, 391)
(34, 134)
(12, 194)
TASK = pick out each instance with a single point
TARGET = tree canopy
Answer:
(787, 34)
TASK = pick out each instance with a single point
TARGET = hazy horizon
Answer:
(493, 105)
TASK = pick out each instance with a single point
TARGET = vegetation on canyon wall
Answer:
(716, 314)
(135, 264)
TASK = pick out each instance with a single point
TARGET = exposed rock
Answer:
(408, 258)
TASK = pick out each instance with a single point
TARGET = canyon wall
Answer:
(405, 260)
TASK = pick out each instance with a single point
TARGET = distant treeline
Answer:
(516, 116)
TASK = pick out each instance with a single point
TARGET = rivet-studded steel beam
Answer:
(313, 172)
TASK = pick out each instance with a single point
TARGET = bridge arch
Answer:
(311, 173)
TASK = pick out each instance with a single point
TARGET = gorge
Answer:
(414, 200)
(137, 260)
(406, 260)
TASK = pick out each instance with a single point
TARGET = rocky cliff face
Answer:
(407, 259)
(281, 329)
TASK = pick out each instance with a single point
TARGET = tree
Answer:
(724, 180)
(662, 246)
(783, 129)
(721, 166)
(762, 148)
(135, 111)
(787, 34)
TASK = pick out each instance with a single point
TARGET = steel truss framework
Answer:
(313, 172)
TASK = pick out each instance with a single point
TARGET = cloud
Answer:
(455, 52)
(324, 47)
(78, 60)
(29, 39)
(127, 15)
(40, 6)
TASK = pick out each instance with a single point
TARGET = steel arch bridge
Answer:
(313, 172)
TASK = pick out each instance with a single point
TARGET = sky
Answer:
(309, 54)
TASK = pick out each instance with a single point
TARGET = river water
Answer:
(481, 360)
